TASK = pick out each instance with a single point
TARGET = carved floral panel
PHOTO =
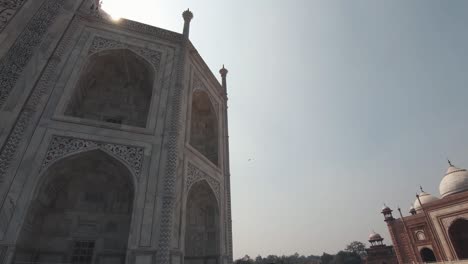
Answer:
(194, 175)
(448, 221)
(100, 44)
(62, 146)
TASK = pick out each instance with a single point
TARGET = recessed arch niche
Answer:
(458, 232)
(204, 126)
(80, 213)
(427, 255)
(202, 227)
(115, 86)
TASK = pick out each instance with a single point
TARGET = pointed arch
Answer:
(95, 151)
(62, 146)
(84, 200)
(194, 174)
(204, 135)
(202, 225)
(115, 86)
(427, 255)
(213, 185)
(458, 233)
(213, 102)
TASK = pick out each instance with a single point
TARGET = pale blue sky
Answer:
(341, 105)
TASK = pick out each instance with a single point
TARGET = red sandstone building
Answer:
(379, 253)
(437, 228)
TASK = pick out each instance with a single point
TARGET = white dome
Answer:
(454, 181)
(386, 208)
(375, 237)
(425, 199)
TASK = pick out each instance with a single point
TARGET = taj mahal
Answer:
(113, 140)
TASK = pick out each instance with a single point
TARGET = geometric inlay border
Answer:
(8, 9)
(19, 55)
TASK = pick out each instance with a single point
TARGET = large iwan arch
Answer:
(115, 86)
(202, 226)
(458, 233)
(80, 213)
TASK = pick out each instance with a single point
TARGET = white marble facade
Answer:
(113, 141)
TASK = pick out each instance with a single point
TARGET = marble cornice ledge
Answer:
(133, 26)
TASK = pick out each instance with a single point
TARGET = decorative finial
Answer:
(450, 163)
(187, 15)
(223, 72)
(420, 187)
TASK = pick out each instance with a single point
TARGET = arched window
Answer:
(420, 235)
(202, 229)
(80, 214)
(115, 86)
(204, 126)
(427, 255)
(458, 233)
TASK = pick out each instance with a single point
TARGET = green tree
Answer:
(245, 260)
(326, 258)
(346, 257)
(259, 260)
(272, 259)
(357, 247)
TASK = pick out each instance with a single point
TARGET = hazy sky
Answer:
(341, 105)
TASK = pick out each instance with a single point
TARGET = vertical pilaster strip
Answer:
(411, 249)
(26, 121)
(227, 170)
(173, 133)
(12, 65)
(393, 234)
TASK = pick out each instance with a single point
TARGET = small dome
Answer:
(386, 209)
(375, 237)
(412, 210)
(425, 199)
(454, 181)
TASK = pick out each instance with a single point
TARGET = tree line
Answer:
(354, 253)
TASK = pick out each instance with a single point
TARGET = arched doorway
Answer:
(115, 86)
(80, 213)
(204, 126)
(427, 255)
(202, 226)
(458, 233)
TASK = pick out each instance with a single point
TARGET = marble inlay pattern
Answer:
(62, 146)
